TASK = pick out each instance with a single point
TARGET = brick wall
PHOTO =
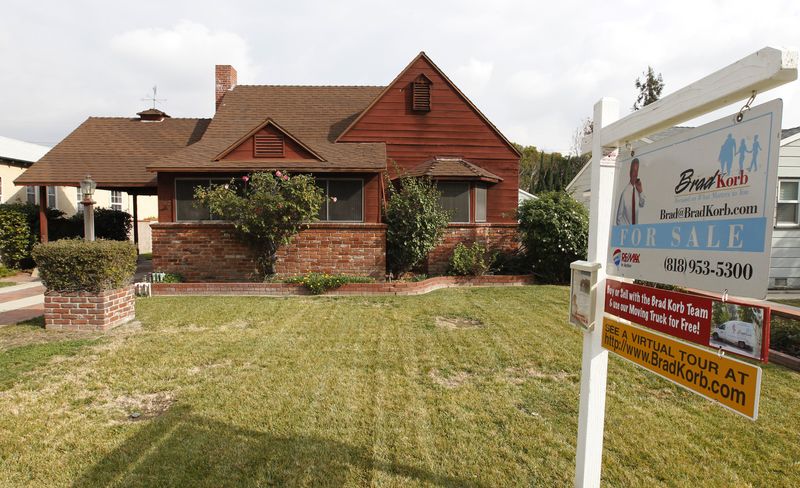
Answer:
(494, 236)
(212, 252)
(85, 310)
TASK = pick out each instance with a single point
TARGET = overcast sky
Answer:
(534, 68)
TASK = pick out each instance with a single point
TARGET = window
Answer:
(116, 200)
(344, 201)
(455, 199)
(786, 212)
(79, 199)
(51, 197)
(268, 146)
(480, 203)
(185, 208)
(33, 194)
(421, 94)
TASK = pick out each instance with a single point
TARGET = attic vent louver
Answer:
(268, 146)
(421, 94)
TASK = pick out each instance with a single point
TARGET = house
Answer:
(16, 156)
(350, 138)
(784, 270)
(523, 196)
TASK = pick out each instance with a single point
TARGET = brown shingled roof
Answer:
(115, 151)
(452, 167)
(315, 115)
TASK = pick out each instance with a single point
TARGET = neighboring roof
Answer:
(424, 56)
(639, 143)
(790, 135)
(20, 150)
(452, 167)
(523, 195)
(114, 151)
(313, 115)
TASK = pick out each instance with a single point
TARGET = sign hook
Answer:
(746, 107)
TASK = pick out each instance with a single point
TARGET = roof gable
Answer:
(422, 65)
(244, 148)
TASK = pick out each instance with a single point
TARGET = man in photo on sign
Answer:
(631, 200)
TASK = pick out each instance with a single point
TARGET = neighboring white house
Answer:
(784, 269)
(522, 196)
(16, 156)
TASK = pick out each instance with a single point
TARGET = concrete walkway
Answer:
(21, 302)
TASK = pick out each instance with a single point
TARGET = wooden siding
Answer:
(451, 128)
(245, 150)
(372, 192)
(785, 258)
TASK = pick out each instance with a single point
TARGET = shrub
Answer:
(415, 223)
(785, 335)
(111, 224)
(469, 260)
(16, 239)
(554, 231)
(319, 283)
(76, 265)
(509, 263)
(5, 272)
(157, 277)
(266, 210)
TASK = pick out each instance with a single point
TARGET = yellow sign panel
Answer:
(734, 384)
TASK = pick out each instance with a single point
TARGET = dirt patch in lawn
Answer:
(144, 406)
(518, 376)
(453, 323)
(450, 381)
(201, 368)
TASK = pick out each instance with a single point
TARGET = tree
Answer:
(266, 209)
(649, 89)
(415, 223)
(719, 313)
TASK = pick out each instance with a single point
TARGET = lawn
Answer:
(462, 387)
(7, 283)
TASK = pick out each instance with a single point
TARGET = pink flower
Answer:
(278, 174)
(245, 178)
(285, 178)
(333, 199)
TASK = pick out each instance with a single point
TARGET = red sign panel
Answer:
(736, 327)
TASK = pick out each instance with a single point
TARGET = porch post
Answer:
(136, 221)
(43, 213)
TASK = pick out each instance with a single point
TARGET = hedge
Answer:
(77, 265)
(15, 237)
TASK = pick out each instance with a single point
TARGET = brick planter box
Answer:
(288, 289)
(87, 311)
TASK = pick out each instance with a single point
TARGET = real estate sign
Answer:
(732, 383)
(696, 209)
(739, 328)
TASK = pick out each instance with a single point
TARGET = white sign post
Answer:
(754, 74)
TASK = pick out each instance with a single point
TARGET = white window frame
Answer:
(35, 190)
(327, 192)
(54, 196)
(115, 205)
(796, 202)
(79, 199)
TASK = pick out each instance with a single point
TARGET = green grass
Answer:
(146, 256)
(16, 361)
(355, 391)
(7, 283)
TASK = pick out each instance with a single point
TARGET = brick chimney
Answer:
(225, 77)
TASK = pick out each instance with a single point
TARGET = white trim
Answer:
(585, 166)
(796, 202)
(790, 139)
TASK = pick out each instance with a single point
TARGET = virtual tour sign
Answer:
(739, 328)
(696, 209)
(734, 384)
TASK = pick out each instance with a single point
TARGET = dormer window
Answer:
(268, 146)
(421, 94)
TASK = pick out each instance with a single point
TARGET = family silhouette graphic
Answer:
(729, 150)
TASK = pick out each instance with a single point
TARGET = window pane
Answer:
(51, 196)
(323, 209)
(345, 200)
(788, 190)
(31, 194)
(455, 199)
(480, 203)
(79, 199)
(787, 213)
(184, 200)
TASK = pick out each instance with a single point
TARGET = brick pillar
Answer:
(83, 310)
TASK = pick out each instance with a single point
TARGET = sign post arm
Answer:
(594, 367)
